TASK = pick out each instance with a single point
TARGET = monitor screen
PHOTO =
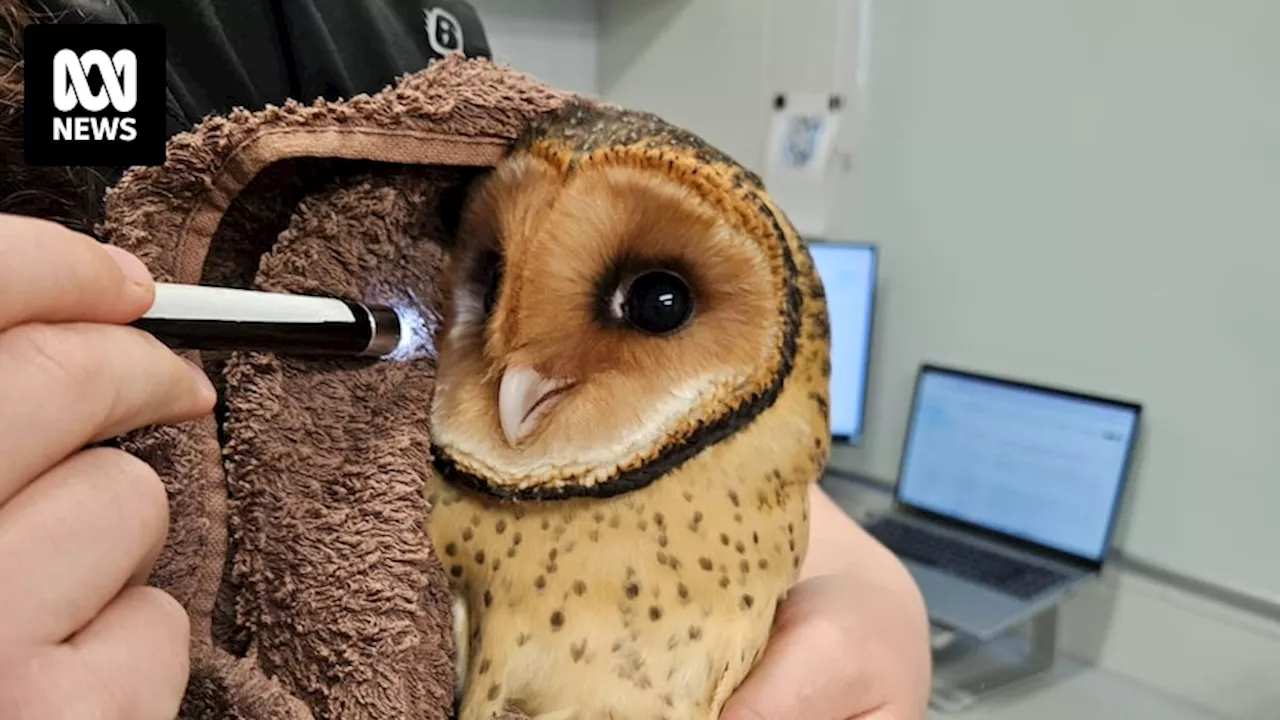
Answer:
(848, 272)
(1034, 463)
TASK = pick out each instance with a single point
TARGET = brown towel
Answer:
(296, 538)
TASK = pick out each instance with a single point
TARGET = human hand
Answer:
(842, 648)
(80, 634)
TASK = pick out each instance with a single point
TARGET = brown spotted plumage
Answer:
(622, 487)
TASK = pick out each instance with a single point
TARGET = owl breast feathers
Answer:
(631, 406)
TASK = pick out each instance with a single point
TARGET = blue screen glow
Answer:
(848, 273)
(1038, 465)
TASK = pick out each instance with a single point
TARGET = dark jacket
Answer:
(224, 54)
(249, 53)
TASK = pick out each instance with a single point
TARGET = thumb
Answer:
(789, 685)
(743, 710)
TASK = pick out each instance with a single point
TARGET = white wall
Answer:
(661, 56)
(1086, 192)
(554, 40)
(1076, 192)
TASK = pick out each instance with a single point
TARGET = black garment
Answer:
(224, 54)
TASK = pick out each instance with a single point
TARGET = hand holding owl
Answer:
(851, 640)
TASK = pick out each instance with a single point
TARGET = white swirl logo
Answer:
(71, 80)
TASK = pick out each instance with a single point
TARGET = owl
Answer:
(631, 405)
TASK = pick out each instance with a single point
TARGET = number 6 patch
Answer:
(444, 32)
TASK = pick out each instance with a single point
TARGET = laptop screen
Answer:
(1038, 464)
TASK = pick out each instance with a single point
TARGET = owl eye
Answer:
(657, 302)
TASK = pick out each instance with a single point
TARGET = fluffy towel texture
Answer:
(296, 539)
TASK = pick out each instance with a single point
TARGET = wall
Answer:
(554, 40)
(1079, 192)
(1074, 192)
(1084, 192)
(659, 56)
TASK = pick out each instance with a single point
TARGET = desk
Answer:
(1070, 690)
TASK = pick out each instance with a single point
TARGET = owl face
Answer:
(602, 326)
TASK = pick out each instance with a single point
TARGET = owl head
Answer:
(621, 296)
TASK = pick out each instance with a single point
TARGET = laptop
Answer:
(1007, 495)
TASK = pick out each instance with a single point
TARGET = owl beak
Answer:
(524, 397)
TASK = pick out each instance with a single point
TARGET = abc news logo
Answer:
(95, 95)
(71, 91)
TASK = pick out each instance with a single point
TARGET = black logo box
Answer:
(41, 43)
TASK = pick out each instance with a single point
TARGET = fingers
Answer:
(842, 648)
(80, 383)
(51, 274)
(138, 650)
(132, 662)
(73, 539)
(80, 530)
(802, 676)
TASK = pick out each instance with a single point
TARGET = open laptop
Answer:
(1007, 495)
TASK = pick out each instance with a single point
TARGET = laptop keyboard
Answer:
(994, 570)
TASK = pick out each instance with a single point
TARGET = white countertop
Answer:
(1071, 691)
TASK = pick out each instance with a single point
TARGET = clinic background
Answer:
(1079, 193)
